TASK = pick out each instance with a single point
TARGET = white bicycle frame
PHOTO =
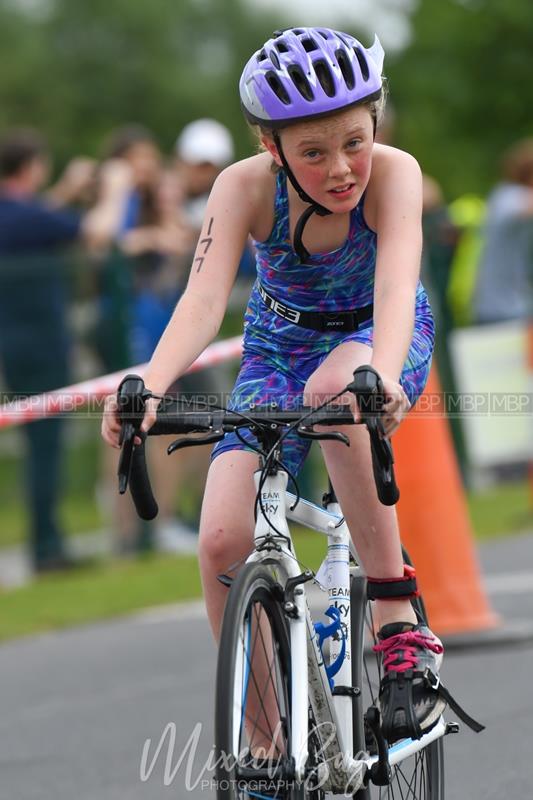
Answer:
(341, 772)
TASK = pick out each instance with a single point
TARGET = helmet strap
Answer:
(314, 207)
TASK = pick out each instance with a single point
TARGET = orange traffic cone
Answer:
(530, 370)
(434, 520)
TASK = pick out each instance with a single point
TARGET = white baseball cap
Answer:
(205, 140)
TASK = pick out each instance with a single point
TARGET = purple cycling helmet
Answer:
(301, 73)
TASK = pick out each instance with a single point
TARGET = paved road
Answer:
(77, 707)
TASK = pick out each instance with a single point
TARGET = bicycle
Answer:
(296, 711)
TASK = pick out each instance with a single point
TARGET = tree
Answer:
(463, 88)
(78, 69)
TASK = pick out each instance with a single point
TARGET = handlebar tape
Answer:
(141, 490)
(368, 389)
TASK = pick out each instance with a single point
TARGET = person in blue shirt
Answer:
(35, 233)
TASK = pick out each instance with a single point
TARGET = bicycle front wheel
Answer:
(252, 712)
(420, 777)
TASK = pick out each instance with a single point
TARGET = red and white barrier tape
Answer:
(77, 396)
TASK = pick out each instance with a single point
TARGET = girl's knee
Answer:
(212, 541)
(324, 384)
(221, 543)
(336, 372)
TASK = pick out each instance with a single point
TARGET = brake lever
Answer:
(127, 436)
(131, 396)
(381, 444)
(211, 438)
(305, 432)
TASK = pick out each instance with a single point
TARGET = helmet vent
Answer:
(324, 34)
(262, 56)
(309, 45)
(325, 77)
(301, 82)
(344, 39)
(277, 87)
(281, 47)
(274, 58)
(346, 68)
(298, 31)
(365, 72)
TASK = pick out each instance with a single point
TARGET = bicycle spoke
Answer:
(258, 647)
(409, 783)
(262, 706)
(269, 671)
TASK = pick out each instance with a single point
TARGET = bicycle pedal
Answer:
(452, 727)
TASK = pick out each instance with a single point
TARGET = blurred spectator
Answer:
(151, 262)
(503, 288)
(440, 240)
(203, 149)
(467, 213)
(438, 256)
(135, 149)
(34, 339)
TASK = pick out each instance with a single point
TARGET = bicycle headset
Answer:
(307, 73)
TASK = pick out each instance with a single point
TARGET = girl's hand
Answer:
(395, 407)
(111, 422)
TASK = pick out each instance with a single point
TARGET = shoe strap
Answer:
(433, 682)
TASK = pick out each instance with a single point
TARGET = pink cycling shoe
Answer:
(411, 660)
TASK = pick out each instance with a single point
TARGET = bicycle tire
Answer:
(420, 777)
(255, 593)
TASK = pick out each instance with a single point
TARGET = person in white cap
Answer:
(203, 149)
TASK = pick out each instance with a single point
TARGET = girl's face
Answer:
(331, 158)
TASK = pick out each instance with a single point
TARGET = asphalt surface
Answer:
(77, 707)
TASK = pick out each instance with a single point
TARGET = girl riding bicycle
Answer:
(336, 219)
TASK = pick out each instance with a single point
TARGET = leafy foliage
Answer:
(82, 68)
(463, 89)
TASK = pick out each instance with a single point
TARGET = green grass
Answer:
(501, 510)
(108, 589)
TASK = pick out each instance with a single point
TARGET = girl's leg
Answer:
(226, 525)
(374, 527)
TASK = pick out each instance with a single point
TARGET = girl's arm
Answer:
(200, 311)
(399, 230)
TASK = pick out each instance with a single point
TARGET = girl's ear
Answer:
(269, 144)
